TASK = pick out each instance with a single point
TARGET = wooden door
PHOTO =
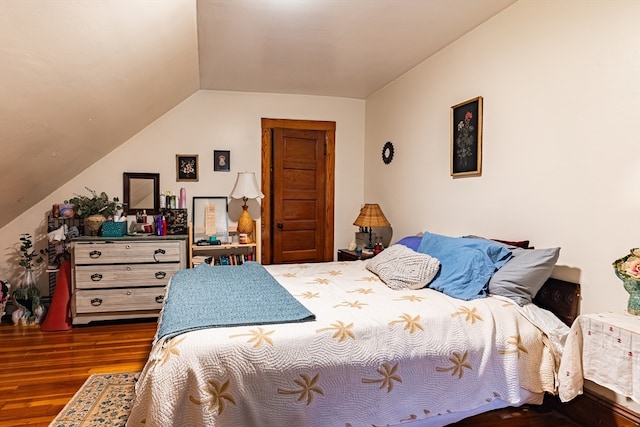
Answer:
(297, 180)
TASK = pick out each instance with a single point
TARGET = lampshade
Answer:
(371, 216)
(246, 187)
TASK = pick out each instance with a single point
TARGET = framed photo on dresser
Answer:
(210, 219)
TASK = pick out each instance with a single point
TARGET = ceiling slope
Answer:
(80, 77)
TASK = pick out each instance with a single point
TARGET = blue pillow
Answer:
(412, 242)
(467, 264)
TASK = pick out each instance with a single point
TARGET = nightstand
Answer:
(347, 255)
(603, 348)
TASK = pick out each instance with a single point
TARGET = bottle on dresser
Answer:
(159, 225)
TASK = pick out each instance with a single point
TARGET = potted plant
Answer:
(95, 209)
(27, 291)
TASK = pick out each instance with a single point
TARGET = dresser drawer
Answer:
(110, 300)
(124, 275)
(109, 252)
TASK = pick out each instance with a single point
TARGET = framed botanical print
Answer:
(466, 138)
(186, 167)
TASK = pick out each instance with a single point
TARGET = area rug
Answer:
(103, 400)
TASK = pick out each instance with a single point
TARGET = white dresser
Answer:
(122, 277)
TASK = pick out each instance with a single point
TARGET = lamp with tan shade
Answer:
(245, 188)
(371, 216)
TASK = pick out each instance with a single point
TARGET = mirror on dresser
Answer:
(141, 192)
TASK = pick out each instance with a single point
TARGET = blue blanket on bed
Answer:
(466, 264)
(209, 297)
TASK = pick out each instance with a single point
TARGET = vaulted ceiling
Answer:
(80, 77)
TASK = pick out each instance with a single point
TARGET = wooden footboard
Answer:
(561, 298)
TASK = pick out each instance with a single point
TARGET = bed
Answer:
(359, 353)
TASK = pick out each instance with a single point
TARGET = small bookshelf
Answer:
(224, 253)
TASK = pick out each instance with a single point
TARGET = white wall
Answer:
(561, 145)
(207, 121)
(561, 156)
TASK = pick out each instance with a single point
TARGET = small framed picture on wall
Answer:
(466, 138)
(186, 167)
(221, 160)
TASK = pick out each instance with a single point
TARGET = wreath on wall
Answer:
(387, 152)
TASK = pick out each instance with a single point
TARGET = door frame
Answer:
(267, 154)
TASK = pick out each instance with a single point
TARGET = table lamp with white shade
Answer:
(245, 188)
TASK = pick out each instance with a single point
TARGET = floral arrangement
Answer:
(96, 204)
(628, 267)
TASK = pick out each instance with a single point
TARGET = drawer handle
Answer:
(128, 292)
(128, 247)
(96, 277)
(96, 302)
(156, 252)
(95, 254)
(160, 299)
(161, 275)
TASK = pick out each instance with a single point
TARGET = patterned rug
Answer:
(103, 400)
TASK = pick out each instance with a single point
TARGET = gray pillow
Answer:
(524, 274)
(402, 268)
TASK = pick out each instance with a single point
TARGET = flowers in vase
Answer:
(628, 267)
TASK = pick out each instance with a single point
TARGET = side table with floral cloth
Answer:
(603, 348)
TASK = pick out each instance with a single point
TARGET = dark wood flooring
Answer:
(41, 371)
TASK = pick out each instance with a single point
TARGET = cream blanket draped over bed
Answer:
(374, 356)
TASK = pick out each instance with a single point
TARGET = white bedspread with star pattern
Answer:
(374, 356)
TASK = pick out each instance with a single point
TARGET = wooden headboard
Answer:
(560, 297)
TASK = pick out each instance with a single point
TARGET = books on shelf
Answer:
(227, 259)
(199, 259)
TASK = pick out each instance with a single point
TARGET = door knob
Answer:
(280, 225)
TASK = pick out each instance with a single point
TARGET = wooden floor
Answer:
(40, 372)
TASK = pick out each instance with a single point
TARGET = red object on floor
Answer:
(58, 317)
